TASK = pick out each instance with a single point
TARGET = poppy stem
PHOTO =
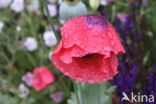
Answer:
(98, 94)
(80, 88)
(76, 91)
(50, 20)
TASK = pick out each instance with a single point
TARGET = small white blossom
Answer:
(104, 2)
(49, 38)
(60, 1)
(52, 1)
(18, 28)
(17, 5)
(34, 6)
(4, 3)
(52, 10)
(24, 91)
(30, 44)
(61, 21)
(1, 26)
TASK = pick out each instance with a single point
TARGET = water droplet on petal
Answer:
(79, 78)
(85, 38)
(66, 35)
(91, 80)
(67, 73)
(103, 35)
(90, 26)
(107, 48)
(110, 35)
(112, 43)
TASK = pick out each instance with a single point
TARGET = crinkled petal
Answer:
(98, 40)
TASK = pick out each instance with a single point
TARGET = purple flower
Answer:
(28, 78)
(144, 2)
(151, 86)
(24, 91)
(125, 80)
(122, 16)
(57, 96)
(155, 64)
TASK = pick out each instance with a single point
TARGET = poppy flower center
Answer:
(93, 60)
(96, 21)
(87, 56)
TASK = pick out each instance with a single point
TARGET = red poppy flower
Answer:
(42, 78)
(88, 49)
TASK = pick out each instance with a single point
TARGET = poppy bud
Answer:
(94, 4)
(70, 9)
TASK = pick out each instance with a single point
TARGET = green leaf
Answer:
(6, 99)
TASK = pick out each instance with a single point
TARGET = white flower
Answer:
(4, 3)
(30, 44)
(18, 28)
(50, 53)
(1, 26)
(52, 1)
(49, 38)
(24, 91)
(17, 5)
(104, 2)
(61, 21)
(60, 1)
(34, 6)
(52, 10)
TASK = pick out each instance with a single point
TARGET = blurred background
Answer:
(27, 42)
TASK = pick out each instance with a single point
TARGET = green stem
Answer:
(76, 91)
(49, 19)
(80, 92)
(97, 90)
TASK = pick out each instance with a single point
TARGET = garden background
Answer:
(27, 41)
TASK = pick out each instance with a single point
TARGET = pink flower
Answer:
(28, 78)
(42, 78)
(57, 96)
(88, 49)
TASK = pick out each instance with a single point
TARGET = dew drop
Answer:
(104, 35)
(90, 26)
(66, 35)
(91, 80)
(85, 38)
(79, 78)
(110, 35)
(67, 73)
(75, 39)
(112, 43)
(107, 49)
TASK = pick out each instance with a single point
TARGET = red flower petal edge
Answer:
(42, 78)
(88, 49)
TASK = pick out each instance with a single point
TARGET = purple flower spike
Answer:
(122, 17)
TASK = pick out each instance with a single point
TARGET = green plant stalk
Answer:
(75, 90)
(97, 89)
(49, 19)
(80, 92)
